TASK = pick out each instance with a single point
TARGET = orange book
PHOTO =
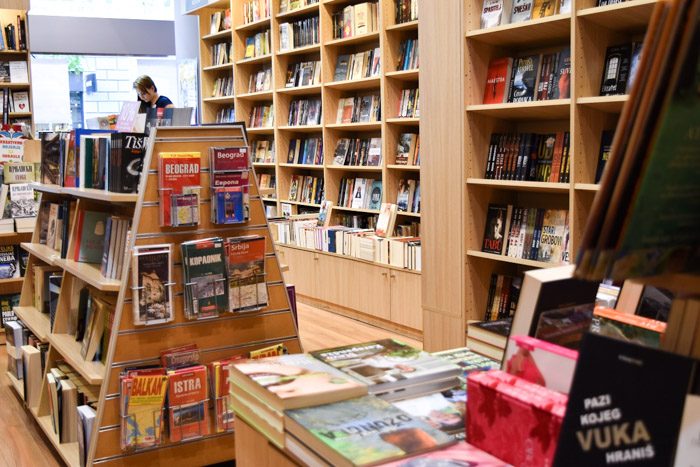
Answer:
(188, 403)
(498, 81)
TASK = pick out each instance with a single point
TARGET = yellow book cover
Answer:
(144, 409)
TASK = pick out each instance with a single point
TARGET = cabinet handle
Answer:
(384, 274)
(393, 276)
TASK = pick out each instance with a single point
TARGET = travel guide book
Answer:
(142, 400)
(188, 402)
(152, 278)
(293, 381)
(388, 364)
(204, 267)
(362, 431)
(178, 173)
(246, 268)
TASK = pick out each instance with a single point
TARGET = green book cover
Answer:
(661, 230)
(92, 237)
(206, 288)
(368, 430)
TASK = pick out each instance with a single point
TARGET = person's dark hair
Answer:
(144, 83)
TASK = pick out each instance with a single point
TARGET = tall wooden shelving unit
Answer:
(131, 345)
(10, 17)
(312, 280)
(588, 30)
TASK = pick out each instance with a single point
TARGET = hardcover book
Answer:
(126, 161)
(524, 79)
(204, 266)
(616, 70)
(498, 81)
(188, 401)
(496, 219)
(152, 277)
(178, 173)
(614, 414)
(552, 239)
(91, 227)
(362, 431)
(246, 272)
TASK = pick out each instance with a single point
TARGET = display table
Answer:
(254, 450)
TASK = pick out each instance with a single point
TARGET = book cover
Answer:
(492, 14)
(442, 410)
(616, 70)
(142, 398)
(522, 11)
(293, 381)
(18, 172)
(606, 141)
(614, 414)
(467, 360)
(152, 276)
(524, 79)
(184, 209)
(223, 159)
(204, 266)
(627, 327)
(92, 227)
(363, 431)
(188, 401)
(688, 447)
(402, 196)
(229, 205)
(561, 88)
(177, 171)
(552, 237)
(375, 195)
(9, 266)
(386, 220)
(496, 218)
(126, 161)
(541, 362)
(223, 407)
(498, 80)
(246, 273)
(461, 454)
(386, 363)
(23, 202)
(543, 8)
(20, 101)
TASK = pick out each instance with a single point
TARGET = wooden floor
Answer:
(22, 443)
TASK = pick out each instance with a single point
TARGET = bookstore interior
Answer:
(260, 269)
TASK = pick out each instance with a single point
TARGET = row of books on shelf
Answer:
(256, 10)
(299, 33)
(360, 193)
(304, 111)
(14, 71)
(263, 151)
(223, 87)
(15, 102)
(261, 116)
(306, 151)
(258, 45)
(408, 149)
(226, 115)
(365, 152)
(359, 109)
(500, 12)
(529, 78)
(366, 64)
(529, 157)
(98, 159)
(287, 6)
(355, 20)
(307, 73)
(221, 53)
(408, 55)
(504, 291)
(261, 80)
(406, 11)
(409, 104)
(306, 189)
(220, 21)
(267, 182)
(408, 196)
(536, 234)
(14, 36)
(180, 186)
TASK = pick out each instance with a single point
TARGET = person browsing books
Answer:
(148, 94)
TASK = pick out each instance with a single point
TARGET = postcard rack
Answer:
(133, 345)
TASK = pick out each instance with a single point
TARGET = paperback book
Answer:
(188, 403)
(178, 174)
(142, 400)
(152, 279)
(204, 266)
(246, 273)
(23, 202)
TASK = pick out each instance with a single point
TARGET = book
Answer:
(552, 240)
(293, 381)
(543, 8)
(335, 432)
(20, 102)
(18, 172)
(245, 259)
(628, 327)
(495, 13)
(223, 409)
(152, 278)
(541, 362)
(492, 332)
(606, 141)
(375, 195)
(86, 420)
(127, 151)
(188, 403)
(386, 220)
(523, 80)
(522, 11)
(616, 70)
(142, 401)
(617, 389)
(23, 202)
(178, 173)
(204, 266)
(9, 265)
(443, 410)
(494, 235)
(387, 365)
(561, 87)
(90, 228)
(498, 80)
(460, 454)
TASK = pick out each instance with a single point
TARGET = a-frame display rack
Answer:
(217, 338)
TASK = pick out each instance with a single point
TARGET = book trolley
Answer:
(132, 346)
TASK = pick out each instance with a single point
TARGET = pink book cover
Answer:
(515, 420)
(460, 454)
(540, 362)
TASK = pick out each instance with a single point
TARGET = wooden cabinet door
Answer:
(302, 270)
(359, 286)
(406, 308)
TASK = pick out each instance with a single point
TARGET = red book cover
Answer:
(222, 159)
(513, 419)
(222, 399)
(188, 403)
(176, 172)
(497, 81)
(556, 157)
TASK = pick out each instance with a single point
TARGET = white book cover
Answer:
(688, 447)
(18, 72)
(359, 193)
(20, 102)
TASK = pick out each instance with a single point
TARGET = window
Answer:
(127, 9)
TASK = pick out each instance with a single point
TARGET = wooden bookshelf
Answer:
(16, 384)
(130, 345)
(457, 142)
(9, 16)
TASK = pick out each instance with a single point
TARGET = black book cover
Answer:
(625, 405)
(563, 294)
(524, 79)
(127, 161)
(499, 326)
(561, 86)
(605, 148)
(616, 70)
(83, 304)
(495, 227)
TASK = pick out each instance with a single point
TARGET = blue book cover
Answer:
(229, 206)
